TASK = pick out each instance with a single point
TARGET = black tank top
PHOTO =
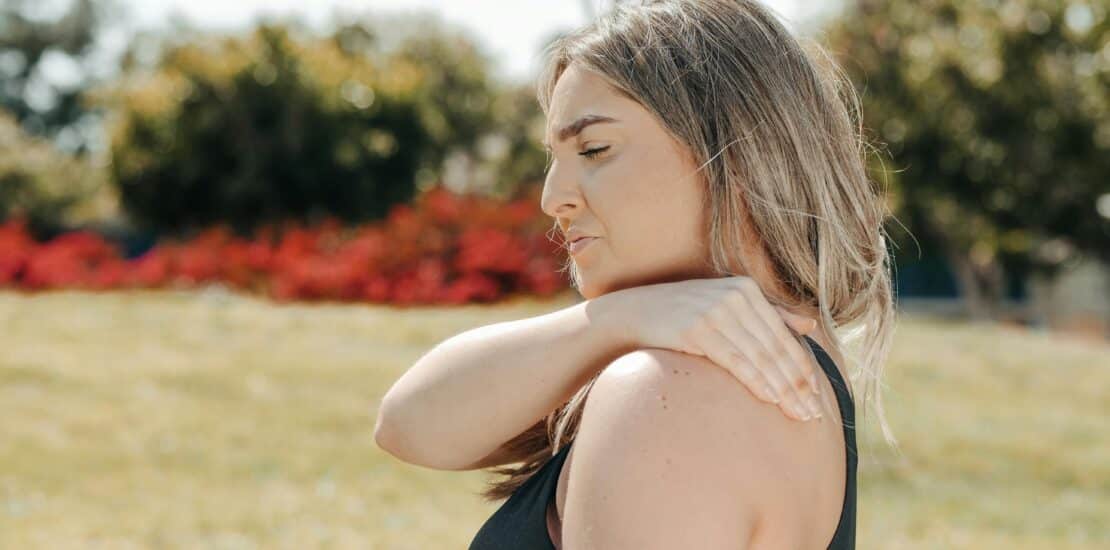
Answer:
(521, 521)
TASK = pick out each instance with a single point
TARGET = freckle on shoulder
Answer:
(674, 370)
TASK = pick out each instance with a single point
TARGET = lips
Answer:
(578, 244)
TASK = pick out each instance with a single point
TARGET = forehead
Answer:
(580, 91)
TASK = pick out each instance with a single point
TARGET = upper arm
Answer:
(660, 460)
(513, 450)
(500, 456)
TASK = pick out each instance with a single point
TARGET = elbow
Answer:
(392, 436)
(386, 431)
(379, 434)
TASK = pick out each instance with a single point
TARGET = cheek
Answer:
(648, 213)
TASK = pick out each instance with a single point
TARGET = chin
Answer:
(586, 286)
(590, 283)
(588, 295)
(592, 287)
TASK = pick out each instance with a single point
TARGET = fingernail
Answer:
(813, 383)
(800, 411)
(771, 394)
(815, 409)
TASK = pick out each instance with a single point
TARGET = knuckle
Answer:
(742, 371)
(778, 383)
(717, 314)
(689, 334)
(703, 324)
(734, 359)
(778, 350)
(748, 284)
(791, 398)
(752, 288)
(763, 360)
(736, 299)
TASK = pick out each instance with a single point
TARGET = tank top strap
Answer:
(845, 535)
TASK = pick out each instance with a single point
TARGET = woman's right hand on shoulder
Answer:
(729, 321)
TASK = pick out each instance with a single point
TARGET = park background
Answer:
(226, 228)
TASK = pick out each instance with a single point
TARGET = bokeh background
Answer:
(226, 228)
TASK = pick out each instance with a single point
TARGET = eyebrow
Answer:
(576, 127)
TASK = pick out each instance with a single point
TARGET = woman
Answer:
(705, 166)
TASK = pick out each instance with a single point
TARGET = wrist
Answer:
(611, 315)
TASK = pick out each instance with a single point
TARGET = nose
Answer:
(561, 194)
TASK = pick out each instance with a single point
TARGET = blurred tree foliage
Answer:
(266, 127)
(496, 125)
(518, 161)
(44, 186)
(281, 124)
(996, 114)
(45, 64)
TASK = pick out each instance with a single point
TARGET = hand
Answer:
(729, 321)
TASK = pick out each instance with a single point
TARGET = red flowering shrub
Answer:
(16, 248)
(444, 248)
(152, 269)
(70, 260)
(482, 249)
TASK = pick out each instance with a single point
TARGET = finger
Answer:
(799, 323)
(770, 335)
(798, 374)
(722, 352)
(789, 379)
(779, 341)
(736, 331)
(747, 345)
(803, 326)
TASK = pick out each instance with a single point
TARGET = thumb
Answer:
(798, 323)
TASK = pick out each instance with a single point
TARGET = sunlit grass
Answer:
(157, 419)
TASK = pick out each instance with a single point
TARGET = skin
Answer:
(639, 196)
(756, 478)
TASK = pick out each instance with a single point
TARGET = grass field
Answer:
(160, 419)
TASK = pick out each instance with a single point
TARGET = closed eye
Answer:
(593, 153)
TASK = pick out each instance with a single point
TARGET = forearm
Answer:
(476, 390)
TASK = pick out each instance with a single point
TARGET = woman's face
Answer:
(639, 195)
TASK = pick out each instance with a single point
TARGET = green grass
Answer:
(160, 419)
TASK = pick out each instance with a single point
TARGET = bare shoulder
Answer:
(663, 433)
(686, 394)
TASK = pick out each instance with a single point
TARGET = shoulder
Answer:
(662, 434)
(688, 399)
(657, 392)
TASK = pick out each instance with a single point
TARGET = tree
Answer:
(30, 45)
(43, 186)
(996, 114)
(263, 128)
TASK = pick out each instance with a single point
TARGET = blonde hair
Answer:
(775, 126)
